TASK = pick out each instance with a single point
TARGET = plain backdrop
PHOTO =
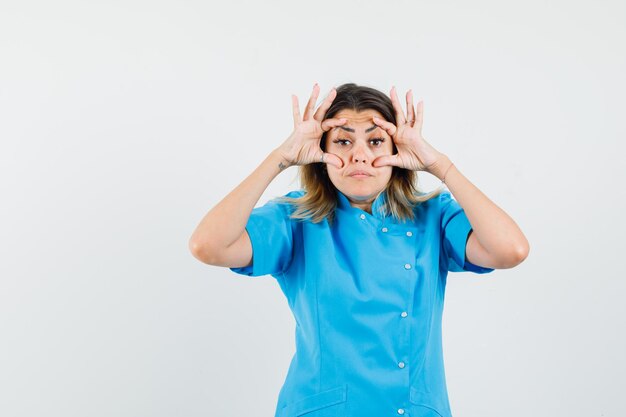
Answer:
(123, 122)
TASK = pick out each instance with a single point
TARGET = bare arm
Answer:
(496, 240)
(220, 238)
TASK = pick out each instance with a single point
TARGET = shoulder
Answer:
(435, 203)
(295, 194)
(289, 198)
(446, 200)
(286, 198)
(286, 202)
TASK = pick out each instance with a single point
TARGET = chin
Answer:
(360, 193)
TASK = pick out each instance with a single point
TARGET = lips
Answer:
(359, 174)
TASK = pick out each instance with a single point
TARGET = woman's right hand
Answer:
(303, 145)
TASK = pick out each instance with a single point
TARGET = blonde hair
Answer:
(402, 193)
(319, 202)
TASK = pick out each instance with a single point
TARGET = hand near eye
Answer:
(414, 152)
(303, 145)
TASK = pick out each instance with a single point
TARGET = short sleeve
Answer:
(456, 228)
(271, 235)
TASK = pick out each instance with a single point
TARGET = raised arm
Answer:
(495, 241)
(221, 238)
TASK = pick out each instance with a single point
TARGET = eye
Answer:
(376, 142)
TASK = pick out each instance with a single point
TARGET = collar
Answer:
(377, 204)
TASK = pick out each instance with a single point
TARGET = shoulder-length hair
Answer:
(402, 193)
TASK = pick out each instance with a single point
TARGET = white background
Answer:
(123, 122)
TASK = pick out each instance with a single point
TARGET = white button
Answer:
(407, 266)
(409, 234)
(404, 314)
(400, 410)
(362, 216)
(400, 365)
(384, 229)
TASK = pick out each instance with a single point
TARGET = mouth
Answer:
(359, 174)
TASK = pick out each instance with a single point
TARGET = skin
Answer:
(357, 151)
(221, 239)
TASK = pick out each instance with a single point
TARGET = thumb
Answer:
(386, 160)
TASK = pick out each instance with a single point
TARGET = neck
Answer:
(366, 206)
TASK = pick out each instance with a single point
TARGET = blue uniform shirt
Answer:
(367, 295)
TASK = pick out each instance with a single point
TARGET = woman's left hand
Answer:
(414, 152)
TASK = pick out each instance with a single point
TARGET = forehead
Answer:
(363, 116)
(359, 122)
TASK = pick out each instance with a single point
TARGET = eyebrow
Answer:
(349, 129)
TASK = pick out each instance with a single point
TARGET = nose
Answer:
(360, 153)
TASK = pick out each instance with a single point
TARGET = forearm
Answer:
(227, 220)
(494, 229)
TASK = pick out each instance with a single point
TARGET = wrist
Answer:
(440, 167)
(281, 161)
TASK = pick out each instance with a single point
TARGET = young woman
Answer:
(360, 253)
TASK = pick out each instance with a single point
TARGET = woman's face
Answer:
(357, 143)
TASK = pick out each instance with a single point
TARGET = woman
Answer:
(360, 253)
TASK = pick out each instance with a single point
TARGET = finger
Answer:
(321, 111)
(328, 124)
(410, 111)
(388, 127)
(387, 160)
(419, 117)
(296, 110)
(332, 159)
(400, 119)
(311, 104)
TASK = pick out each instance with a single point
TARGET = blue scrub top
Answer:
(367, 295)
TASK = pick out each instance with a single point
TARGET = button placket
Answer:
(404, 314)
